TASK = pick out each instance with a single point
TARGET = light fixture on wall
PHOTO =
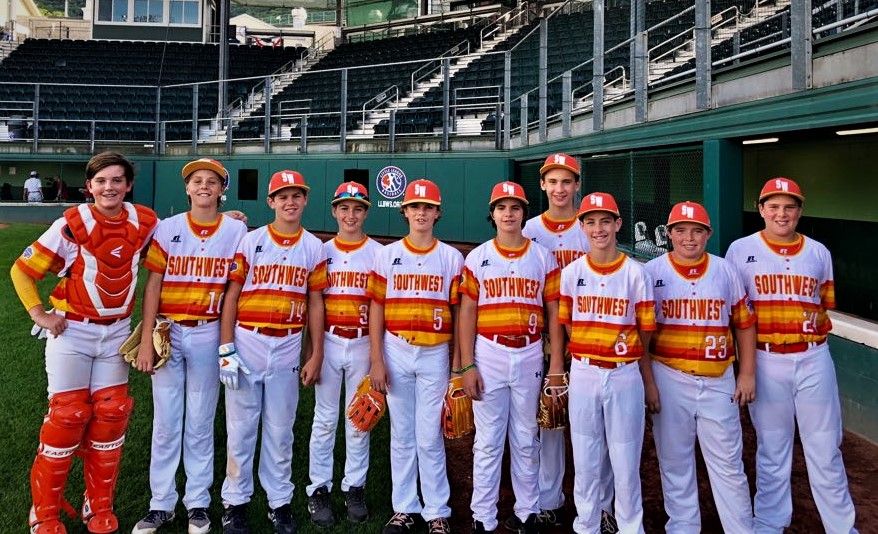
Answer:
(859, 131)
(760, 141)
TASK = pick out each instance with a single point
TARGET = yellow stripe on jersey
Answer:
(37, 260)
(420, 321)
(605, 341)
(183, 301)
(156, 258)
(790, 321)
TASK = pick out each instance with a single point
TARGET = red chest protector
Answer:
(102, 280)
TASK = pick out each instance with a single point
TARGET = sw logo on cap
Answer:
(687, 211)
(783, 185)
(596, 200)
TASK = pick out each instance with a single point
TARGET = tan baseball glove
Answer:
(367, 406)
(161, 342)
(457, 411)
(552, 414)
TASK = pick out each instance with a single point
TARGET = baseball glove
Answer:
(161, 342)
(457, 411)
(552, 414)
(367, 407)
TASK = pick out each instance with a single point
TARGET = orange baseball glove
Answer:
(552, 414)
(367, 407)
(457, 411)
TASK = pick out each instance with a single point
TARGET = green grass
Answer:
(23, 398)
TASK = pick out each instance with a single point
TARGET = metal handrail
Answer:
(381, 99)
(624, 79)
(501, 22)
(436, 63)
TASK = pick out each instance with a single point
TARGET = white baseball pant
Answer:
(86, 356)
(418, 382)
(799, 388)
(270, 391)
(553, 465)
(700, 407)
(343, 360)
(187, 384)
(606, 411)
(513, 379)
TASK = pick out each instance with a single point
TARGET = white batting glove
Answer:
(230, 364)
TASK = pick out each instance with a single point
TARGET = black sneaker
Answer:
(514, 524)
(199, 521)
(320, 508)
(152, 522)
(479, 528)
(282, 519)
(400, 523)
(608, 523)
(438, 526)
(355, 501)
(551, 518)
(235, 520)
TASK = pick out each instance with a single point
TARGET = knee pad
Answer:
(112, 408)
(64, 424)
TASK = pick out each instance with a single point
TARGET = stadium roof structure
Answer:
(322, 5)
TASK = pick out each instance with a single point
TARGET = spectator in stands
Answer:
(33, 188)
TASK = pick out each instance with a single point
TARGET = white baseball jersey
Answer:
(194, 260)
(33, 186)
(347, 271)
(564, 238)
(417, 288)
(277, 271)
(696, 306)
(791, 287)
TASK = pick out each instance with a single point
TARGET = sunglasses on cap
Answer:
(347, 194)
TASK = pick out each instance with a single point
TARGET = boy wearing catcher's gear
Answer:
(789, 280)
(701, 310)
(346, 357)
(189, 261)
(413, 287)
(608, 311)
(559, 231)
(509, 284)
(275, 287)
(95, 249)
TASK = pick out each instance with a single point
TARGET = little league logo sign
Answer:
(390, 182)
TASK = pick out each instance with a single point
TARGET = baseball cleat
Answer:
(553, 518)
(153, 520)
(438, 526)
(282, 519)
(529, 526)
(235, 520)
(400, 523)
(320, 508)
(355, 501)
(199, 521)
(608, 523)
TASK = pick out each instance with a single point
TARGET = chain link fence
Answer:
(646, 184)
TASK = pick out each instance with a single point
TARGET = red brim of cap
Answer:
(549, 166)
(355, 199)
(286, 186)
(421, 201)
(498, 199)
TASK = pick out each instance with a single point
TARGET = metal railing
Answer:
(379, 100)
(434, 65)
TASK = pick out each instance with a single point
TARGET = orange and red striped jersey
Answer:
(790, 286)
(96, 257)
(347, 272)
(417, 288)
(277, 271)
(564, 238)
(510, 287)
(194, 262)
(696, 307)
(606, 307)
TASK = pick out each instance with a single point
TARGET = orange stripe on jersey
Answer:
(645, 315)
(415, 250)
(284, 240)
(156, 258)
(37, 260)
(200, 230)
(742, 316)
(188, 301)
(552, 289)
(469, 285)
(239, 268)
(827, 294)
(606, 268)
(317, 280)
(789, 321)
(347, 311)
(603, 341)
(376, 288)
(557, 225)
(696, 349)
(784, 249)
(423, 322)
(510, 319)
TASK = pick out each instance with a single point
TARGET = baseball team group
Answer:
(550, 299)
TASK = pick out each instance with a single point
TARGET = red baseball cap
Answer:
(598, 202)
(560, 161)
(689, 212)
(284, 179)
(209, 164)
(507, 190)
(422, 191)
(781, 186)
(351, 191)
